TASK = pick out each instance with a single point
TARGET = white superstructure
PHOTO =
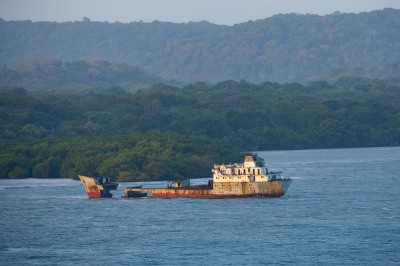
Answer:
(249, 171)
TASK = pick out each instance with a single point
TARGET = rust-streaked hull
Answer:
(275, 188)
(96, 191)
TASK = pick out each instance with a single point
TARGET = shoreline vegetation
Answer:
(163, 132)
(139, 157)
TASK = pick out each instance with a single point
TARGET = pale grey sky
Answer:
(226, 12)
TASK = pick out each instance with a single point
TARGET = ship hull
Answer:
(219, 191)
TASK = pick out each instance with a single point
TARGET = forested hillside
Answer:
(168, 131)
(44, 73)
(283, 48)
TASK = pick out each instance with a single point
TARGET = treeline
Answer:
(136, 157)
(282, 48)
(351, 112)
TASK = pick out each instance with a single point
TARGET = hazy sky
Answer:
(226, 12)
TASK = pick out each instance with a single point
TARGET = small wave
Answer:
(18, 187)
(21, 250)
(298, 177)
(392, 217)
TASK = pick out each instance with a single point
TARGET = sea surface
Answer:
(343, 208)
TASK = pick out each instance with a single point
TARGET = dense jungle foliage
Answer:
(282, 48)
(166, 131)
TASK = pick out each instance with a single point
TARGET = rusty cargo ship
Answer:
(235, 180)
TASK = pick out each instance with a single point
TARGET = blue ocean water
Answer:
(343, 208)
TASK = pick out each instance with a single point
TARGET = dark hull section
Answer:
(135, 194)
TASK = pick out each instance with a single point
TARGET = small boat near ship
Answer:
(235, 180)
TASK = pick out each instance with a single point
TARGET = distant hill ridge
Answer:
(283, 48)
(47, 73)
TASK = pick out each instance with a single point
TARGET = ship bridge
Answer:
(249, 171)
